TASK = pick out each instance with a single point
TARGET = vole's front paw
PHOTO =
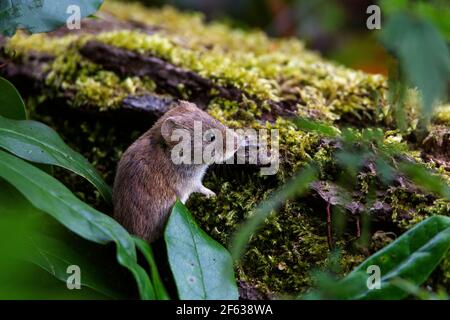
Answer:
(210, 194)
(207, 192)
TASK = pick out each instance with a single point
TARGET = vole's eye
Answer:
(210, 137)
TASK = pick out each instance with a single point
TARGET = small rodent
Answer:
(148, 182)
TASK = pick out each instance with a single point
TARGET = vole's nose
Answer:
(244, 142)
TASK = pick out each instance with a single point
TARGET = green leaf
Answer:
(11, 103)
(295, 187)
(202, 268)
(146, 250)
(21, 242)
(24, 246)
(51, 196)
(41, 16)
(411, 257)
(36, 142)
(55, 256)
(437, 12)
(392, 6)
(422, 53)
(14, 217)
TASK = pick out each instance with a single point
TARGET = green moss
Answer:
(22, 43)
(89, 84)
(264, 68)
(214, 65)
(442, 114)
(324, 88)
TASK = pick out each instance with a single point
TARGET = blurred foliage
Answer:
(16, 106)
(398, 279)
(410, 259)
(435, 11)
(33, 264)
(423, 58)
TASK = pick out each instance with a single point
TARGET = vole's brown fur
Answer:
(148, 182)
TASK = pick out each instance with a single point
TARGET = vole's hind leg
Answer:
(208, 193)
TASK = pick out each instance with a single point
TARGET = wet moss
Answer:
(264, 68)
(442, 115)
(21, 44)
(87, 84)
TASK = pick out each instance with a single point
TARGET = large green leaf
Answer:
(39, 143)
(146, 250)
(202, 268)
(11, 103)
(49, 195)
(41, 15)
(22, 242)
(411, 257)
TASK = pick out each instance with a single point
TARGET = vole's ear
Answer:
(187, 105)
(167, 128)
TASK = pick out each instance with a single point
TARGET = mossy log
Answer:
(102, 86)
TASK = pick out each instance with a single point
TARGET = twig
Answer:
(329, 227)
(358, 227)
